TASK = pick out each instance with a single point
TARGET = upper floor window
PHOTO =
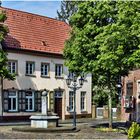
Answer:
(83, 101)
(12, 66)
(45, 69)
(58, 70)
(129, 88)
(30, 68)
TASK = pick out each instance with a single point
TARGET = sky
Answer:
(41, 7)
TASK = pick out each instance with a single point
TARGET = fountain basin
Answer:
(44, 121)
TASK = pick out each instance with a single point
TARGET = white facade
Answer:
(50, 83)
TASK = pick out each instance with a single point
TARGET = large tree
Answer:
(4, 72)
(68, 8)
(104, 40)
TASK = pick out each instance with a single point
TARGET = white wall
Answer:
(39, 83)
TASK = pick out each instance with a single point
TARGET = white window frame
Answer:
(83, 101)
(71, 101)
(30, 68)
(58, 70)
(11, 97)
(28, 98)
(12, 66)
(45, 68)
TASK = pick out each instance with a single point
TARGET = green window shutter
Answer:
(23, 104)
(51, 98)
(37, 101)
(20, 100)
(5, 100)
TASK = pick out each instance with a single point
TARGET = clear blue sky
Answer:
(46, 8)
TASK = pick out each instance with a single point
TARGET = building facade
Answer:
(35, 46)
(131, 96)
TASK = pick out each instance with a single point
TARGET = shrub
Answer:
(134, 131)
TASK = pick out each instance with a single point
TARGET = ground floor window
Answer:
(29, 101)
(12, 101)
(71, 100)
(21, 101)
(83, 101)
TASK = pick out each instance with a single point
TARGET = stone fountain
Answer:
(45, 119)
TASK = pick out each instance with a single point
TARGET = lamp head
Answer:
(81, 81)
(68, 81)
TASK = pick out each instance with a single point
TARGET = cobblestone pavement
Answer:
(86, 132)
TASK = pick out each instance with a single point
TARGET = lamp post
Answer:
(72, 84)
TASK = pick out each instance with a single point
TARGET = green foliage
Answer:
(4, 73)
(100, 96)
(134, 131)
(104, 40)
(68, 8)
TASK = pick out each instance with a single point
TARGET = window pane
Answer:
(9, 104)
(58, 70)
(26, 68)
(29, 101)
(30, 104)
(12, 67)
(71, 100)
(44, 69)
(26, 103)
(30, 66)
(83, 100)
(12, 93)
(14, 103)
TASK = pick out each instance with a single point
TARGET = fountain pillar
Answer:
(45, 119)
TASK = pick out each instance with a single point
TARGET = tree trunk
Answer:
(109, 102)
(1, 101)
(110, 110)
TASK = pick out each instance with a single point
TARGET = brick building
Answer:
(131, 96)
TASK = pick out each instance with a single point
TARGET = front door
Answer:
(58, 103)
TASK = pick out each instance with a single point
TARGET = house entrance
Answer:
(58, 103)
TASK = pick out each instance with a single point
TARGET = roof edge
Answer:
(34, 14)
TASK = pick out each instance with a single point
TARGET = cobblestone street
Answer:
(86, 132)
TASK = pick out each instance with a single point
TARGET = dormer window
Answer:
(44, 43)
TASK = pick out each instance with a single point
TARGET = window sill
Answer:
(83, 111)
(42, 76)
(59, 77)
(12, 111)
(29, 111)
(71, 111)
(30, 75)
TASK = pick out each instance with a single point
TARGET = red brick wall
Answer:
(132, 77)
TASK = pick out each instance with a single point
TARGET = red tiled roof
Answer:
(34, 32)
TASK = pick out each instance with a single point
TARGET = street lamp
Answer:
(72, 84)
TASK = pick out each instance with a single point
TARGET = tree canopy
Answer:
(104, 40)
(68, 8)
(4, 72)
